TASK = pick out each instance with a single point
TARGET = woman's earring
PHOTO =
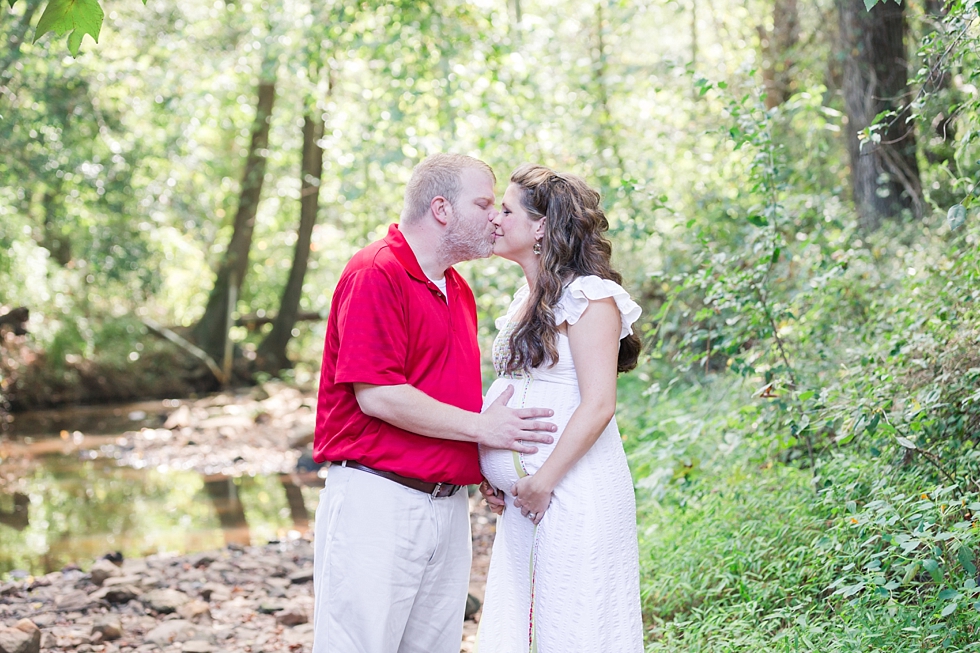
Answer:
(537, 248)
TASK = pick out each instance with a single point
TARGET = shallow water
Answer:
(57, 509)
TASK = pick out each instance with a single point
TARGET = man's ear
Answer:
(441, 209)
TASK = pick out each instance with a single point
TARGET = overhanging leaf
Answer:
(758, 220)
(80, 17)
(868, 4)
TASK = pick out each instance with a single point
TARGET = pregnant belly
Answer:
(503, 467)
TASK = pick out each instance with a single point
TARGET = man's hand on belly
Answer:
(513, 428)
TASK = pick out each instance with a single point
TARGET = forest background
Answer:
(792, 193)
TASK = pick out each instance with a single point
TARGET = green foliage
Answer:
(79, 17)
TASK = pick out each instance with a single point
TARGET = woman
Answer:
(564, 572)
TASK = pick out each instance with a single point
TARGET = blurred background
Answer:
(791, 188)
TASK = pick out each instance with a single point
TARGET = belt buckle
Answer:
(435, 491)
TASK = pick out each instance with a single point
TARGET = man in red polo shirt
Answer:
(398, 416)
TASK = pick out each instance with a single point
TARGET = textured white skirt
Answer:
(570, 584)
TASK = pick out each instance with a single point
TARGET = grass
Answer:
(743, 553)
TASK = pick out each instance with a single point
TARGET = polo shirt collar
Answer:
(403, 252)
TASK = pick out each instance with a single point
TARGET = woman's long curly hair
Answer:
(573, 246)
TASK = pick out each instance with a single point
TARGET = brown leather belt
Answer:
(435, 490)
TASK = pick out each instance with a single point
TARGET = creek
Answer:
(68, 497)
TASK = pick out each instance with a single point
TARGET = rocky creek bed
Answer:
(256, 599)
(241, 599)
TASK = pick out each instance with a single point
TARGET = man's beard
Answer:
(462, 244)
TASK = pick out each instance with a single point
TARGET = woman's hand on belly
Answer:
(532, 496)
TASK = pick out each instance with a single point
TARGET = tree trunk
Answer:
(210, 332)
(778, 51)
(884, 175)
(271, 355)
(55, 239)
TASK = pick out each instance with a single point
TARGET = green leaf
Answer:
(12, 2)
(965, 556)
(775, 256)
(905, 442)
(949, 609)
(868, 4)
(873, 424)
(932, 567)
(758, 220)
(956, 216)
(948, 594)
(80, 17)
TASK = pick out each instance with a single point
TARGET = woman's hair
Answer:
(572, 246)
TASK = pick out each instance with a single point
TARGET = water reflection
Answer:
(68, 510)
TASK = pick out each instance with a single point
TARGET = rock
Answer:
(472, 606)
(301, 576)
(177, 630)
(201, 560)
(75, 600)
(215, 592)
(277, 593)
(116, 594)
(103, 570)
(134, 567)
(196, 611)
(197, 646)
(121, 580)
(300, 636)
(268, 607)
(25, 637)
(8, 589)
(292, 615)
(109, 627)
(44, 620)
(165, 601)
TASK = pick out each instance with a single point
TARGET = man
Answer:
(398, 416)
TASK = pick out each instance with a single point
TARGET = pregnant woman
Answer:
(564, 572)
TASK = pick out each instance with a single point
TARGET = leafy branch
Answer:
(73, 17)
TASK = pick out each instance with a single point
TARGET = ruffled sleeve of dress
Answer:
(576, 298)
(502, 321)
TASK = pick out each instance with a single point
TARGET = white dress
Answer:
(572, 583)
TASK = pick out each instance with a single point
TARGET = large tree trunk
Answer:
(271, 355)
(210, 332)
(884, 175)
(778, 51)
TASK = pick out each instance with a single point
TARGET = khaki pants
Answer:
(391, 567)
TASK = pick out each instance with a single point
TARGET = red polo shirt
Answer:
(390, 325)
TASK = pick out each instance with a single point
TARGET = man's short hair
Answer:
(439, 175)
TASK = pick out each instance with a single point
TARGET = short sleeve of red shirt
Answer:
(372, 327)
